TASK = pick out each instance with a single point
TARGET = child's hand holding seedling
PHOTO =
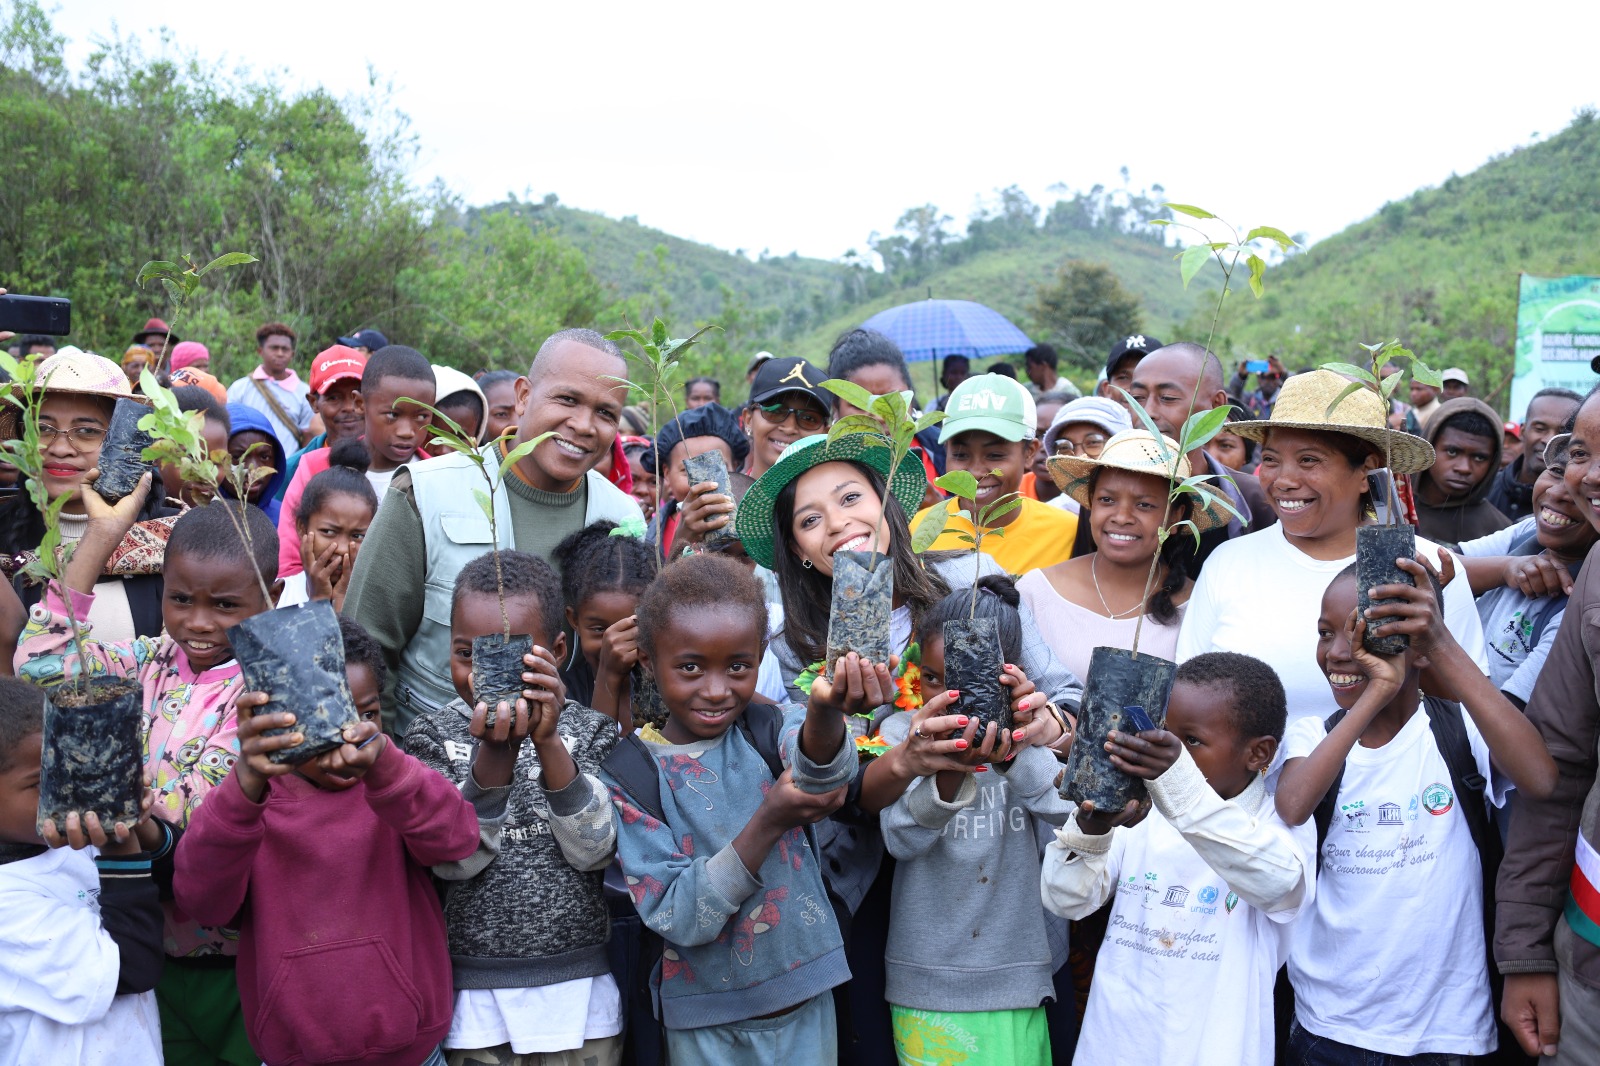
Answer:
(124, 839)
(254, 768)
(1147, 754)
(544, 695)
(1416, 614)
(349, 762)
(855, 686)
(705, 511)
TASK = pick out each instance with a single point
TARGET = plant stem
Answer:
(72, 620)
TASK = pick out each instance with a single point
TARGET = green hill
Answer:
(1439, 268)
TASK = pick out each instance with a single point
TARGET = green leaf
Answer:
(1191, 260)
(658, 333)
(928, 529)
(628, 335)
(1158, 221)
(928, 420)
(1201, 426)
(1258, 268)
(1391, 385)
(1149, 423)
(226, 259)
(485, 503)
(159, 268)
(1190, 210)
(992, 514)
(521, 450)
(966, 538)
(1350, 370)
(1426, 374)
(1194, 529)
(1354, 386)
(850, 393)
(854, 424)
(1271, 233)
(958, 483)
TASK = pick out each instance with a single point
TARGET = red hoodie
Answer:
(342, 949)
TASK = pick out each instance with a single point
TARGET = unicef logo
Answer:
(1207, 895)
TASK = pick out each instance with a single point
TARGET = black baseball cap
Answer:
(370, 339)
(1140, 344)
(789, 374)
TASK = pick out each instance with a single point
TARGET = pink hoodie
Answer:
(342, 953)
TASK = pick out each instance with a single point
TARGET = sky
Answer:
(807, 127)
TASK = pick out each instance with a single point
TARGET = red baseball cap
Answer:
(335, 364)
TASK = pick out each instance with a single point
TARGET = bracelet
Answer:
(1066, 728)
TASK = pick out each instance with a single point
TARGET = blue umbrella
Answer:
(932, 329)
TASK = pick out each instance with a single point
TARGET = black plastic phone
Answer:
(50, 315)
(1380, 486)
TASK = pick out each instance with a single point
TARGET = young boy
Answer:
(526, 916)
(1205, 889)
(252, 442)
(1401, 890)
(324, 867)
(394, 381)
(989, 431)
(1452, 494)
(80, 931)
(190, 682)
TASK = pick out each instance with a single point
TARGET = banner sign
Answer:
(1558, 333)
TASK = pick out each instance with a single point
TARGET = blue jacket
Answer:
(244, 419)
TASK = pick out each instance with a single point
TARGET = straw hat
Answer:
(754, 522)
(74, 371)
(1303, 404)
(1135, 450)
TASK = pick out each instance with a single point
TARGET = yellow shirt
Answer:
(1040, 535)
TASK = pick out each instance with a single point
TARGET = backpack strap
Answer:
(1323, 814)
(633, 767)
(300, 435)
(762, 724)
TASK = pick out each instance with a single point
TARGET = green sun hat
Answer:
(754, 522)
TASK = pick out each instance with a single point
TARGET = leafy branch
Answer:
(181, 283)
(662, 360)
(1226, 253)
(1370, 379)
(985, 520)
(889, 422)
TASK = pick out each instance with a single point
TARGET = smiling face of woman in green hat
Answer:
(835, 509)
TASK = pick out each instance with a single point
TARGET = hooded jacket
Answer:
(243, 419)
(1472, 516)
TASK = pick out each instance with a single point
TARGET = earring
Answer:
(806, 563)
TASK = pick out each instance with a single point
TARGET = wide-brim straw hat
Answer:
(1136, 451)
(1303, 403)
(78, 372)
(754, 521)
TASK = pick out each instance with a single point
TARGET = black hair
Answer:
(593, 560)
(1041, 353)
(697, 584)
(1258, 706)
(346, 475)
(361, 649)
(1237, 414)
(997, 599)
(716, 387)
(395, 361)
(211, 532)
(521, 575)
(462, 402)
(1177, 554)
(708, 420)
(1472, 423)
(33, 340)
(194, 398)
(21, 716)
(1004, 369)
(808, 595)
(861, 348)
(497, 377)
(1061, 396)
(1553, 391)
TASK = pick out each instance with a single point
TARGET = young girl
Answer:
(727, 875)
(1204, 889)
(1400, 851)
(967, 851)
(602, 577)
(325, 868)
(335, 511)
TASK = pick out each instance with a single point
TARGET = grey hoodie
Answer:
(1472, 516)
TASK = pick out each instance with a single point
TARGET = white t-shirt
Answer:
(379, 480)
(1390, 957)
(769, 677)
(59, 970)
(1260, 595)
(558, 1017)
(295, 590)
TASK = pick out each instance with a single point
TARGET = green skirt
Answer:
(976, 1038)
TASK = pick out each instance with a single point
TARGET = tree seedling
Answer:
(181, 283)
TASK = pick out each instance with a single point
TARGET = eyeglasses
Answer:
(778, 413)
(1091, 447)
(82, 438)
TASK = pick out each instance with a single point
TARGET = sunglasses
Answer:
(778, 413)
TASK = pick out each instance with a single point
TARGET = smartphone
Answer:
(1380, 486)
(1257, 366)
(1140, 720)
(50, 315)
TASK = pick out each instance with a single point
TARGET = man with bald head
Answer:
(405, 574)
(1181, 379)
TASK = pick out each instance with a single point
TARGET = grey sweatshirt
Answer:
(526, 910)
(967, 930)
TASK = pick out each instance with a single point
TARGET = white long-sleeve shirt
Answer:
(1206, 892)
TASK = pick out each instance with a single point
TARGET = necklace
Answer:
(1095, 577)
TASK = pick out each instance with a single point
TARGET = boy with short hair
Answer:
(526, 916)
(1204, 890)
(1452, 494)
(989, 430)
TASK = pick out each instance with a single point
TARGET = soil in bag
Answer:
(710, 466)
(1377, 548)
(122, 461)
(296, 656)
(497, 670)
(646, 699)
(93, 752)
(1116, 682)
(863, 600)
(972, 665)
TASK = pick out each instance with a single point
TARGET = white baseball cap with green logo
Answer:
(992, 403)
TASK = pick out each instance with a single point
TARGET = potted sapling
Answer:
(294, 654)
(863, 581)
(973, 659)
(93, 758)
(1380, 544)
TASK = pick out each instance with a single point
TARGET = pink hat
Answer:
(188, 352)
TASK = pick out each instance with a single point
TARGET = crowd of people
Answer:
(696, 839)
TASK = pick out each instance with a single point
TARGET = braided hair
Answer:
(593, 561)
